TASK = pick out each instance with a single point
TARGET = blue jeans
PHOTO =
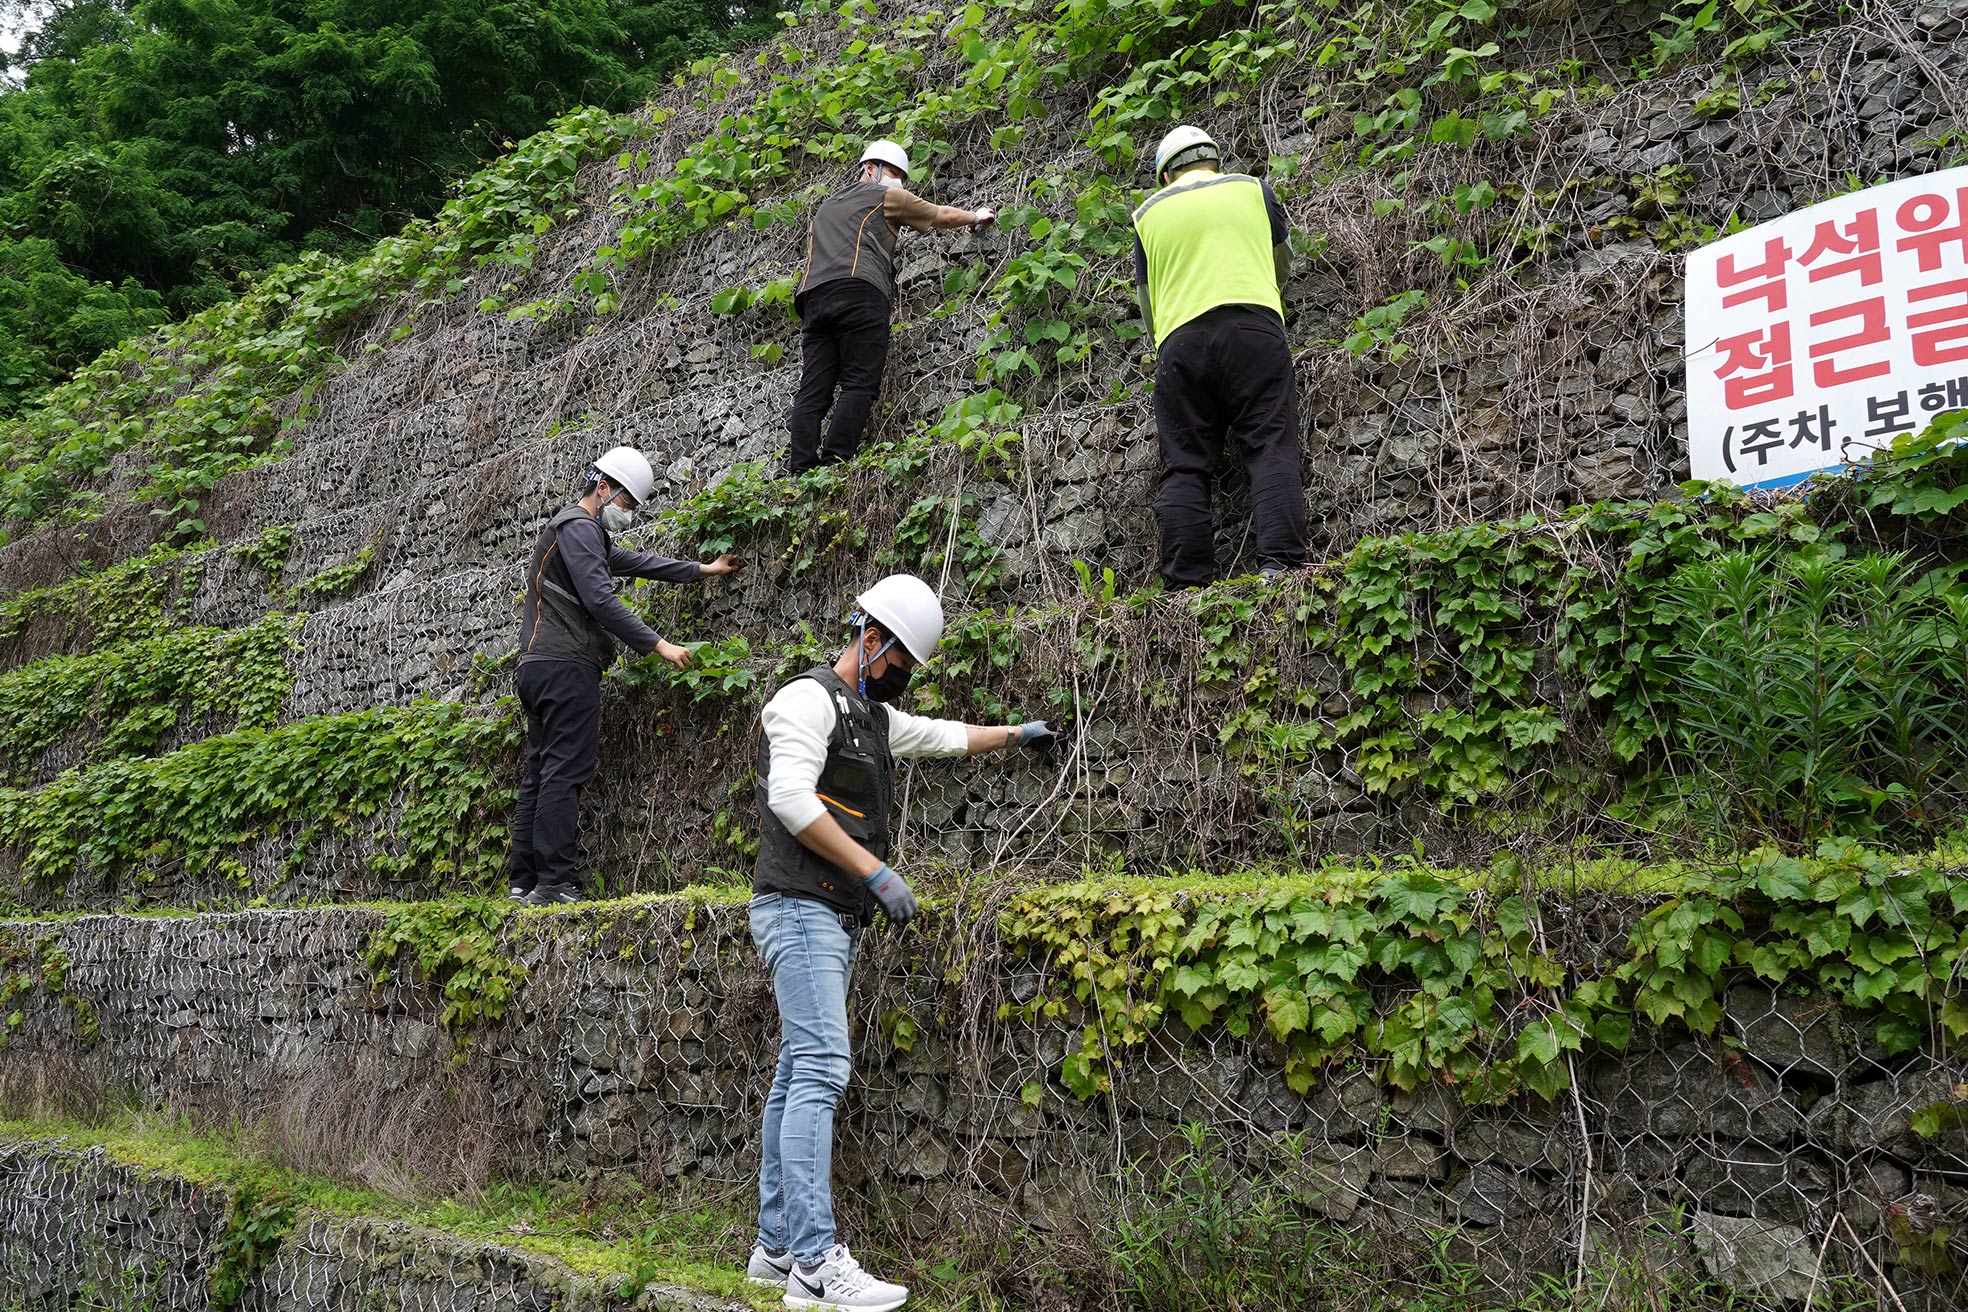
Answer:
(811, 955)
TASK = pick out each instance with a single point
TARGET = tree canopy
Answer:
(154, 151)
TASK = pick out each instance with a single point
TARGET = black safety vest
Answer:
(857, 786)
(849, 238)
(552, 621)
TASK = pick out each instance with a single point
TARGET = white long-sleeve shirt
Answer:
(798, 721)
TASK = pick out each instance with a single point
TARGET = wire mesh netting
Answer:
(86, 1234)
(1781, 1152)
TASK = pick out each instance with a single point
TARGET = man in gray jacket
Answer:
(569, 625)
(845, 297)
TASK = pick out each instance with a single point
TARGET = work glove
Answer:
(986, 216)
(892, 891)
(1036, 734)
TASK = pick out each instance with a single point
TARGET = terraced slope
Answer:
(1527, 255)
(257, 612)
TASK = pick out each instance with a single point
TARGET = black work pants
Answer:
(1226, 378)
(562, 700)
(843, 347)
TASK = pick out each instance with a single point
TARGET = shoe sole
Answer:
(801, 1300)
(779, 1283)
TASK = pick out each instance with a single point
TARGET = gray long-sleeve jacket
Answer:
(571, 611)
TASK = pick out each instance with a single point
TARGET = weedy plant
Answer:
(1811, 694)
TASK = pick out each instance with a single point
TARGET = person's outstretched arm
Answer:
(580, 543)
(913, 736)
(907, 210)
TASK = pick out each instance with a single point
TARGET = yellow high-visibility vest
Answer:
(1207, 237)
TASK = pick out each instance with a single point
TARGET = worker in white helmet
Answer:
(569, 626)
(1211, 251)
(825, 797)
(845, 298)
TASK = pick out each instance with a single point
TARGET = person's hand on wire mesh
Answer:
(675, 655)
(727, 563)
(1039, 735)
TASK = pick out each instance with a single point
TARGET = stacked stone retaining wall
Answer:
(642, 1042)
(80, 1230)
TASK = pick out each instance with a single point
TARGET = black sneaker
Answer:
(546, 893)
(519, 890)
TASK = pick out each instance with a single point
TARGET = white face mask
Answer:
(615, 519)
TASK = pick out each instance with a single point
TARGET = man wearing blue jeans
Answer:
(825, 789)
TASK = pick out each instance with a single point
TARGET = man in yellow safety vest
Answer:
(1210, 255)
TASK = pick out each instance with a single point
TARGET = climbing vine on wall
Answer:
(427, 777)
(256, 1224)
(130, 696)
(39, 963)
(1430, 978)
(453, 947)
(135, 598)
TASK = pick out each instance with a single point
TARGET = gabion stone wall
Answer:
(642, 1042)
(81, 1231)
(1556, 384)
(441, 454)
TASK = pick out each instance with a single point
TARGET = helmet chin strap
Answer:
(860, 621)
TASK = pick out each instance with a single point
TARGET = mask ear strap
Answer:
(860, 621)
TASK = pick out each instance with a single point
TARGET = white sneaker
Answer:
(765, 1269)
(841, 1283)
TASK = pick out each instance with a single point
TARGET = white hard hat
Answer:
(907, 607)
(625, 467)
(1182, 146)
(887, 152)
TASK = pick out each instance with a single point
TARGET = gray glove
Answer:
(1035, 733)
(892, 891)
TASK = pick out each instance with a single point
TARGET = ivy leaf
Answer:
(1188, 981)
(1286, 1012)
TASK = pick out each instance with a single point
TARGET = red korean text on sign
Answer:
(1767, 278)
(1756, 367)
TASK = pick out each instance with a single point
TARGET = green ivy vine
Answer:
(136, 598)
(453, 947)
(434, 769)
(257, 1223)
(1429, 978)
(35, 964)
(128, 697)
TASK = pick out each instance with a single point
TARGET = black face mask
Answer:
(889, 684)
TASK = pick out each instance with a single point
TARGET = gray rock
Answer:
(1763, 1257)
(1692, 1090)
(1792, 1035)
(1488, 1195)
(1752, 1180)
